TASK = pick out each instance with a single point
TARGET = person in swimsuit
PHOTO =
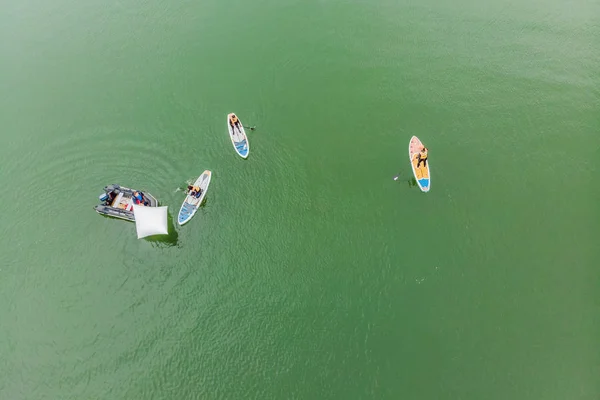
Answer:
(422, 157)
(233, 122)
(194, 191)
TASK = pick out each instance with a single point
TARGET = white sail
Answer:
(150, 221)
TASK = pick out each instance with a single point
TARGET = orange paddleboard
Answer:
(421, 172)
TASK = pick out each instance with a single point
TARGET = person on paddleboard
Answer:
(233, 122)
(422, 157)
(194, 191)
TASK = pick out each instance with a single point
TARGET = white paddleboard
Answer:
(238, 137)
(191, 203)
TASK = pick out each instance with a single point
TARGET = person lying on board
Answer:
(422, 157)
(194, 191)
(233, 122)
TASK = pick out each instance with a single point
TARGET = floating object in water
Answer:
(150, 221)
(193, 200)
(238, 137)
(118, 201)
(421, 171)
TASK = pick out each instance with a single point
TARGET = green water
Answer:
(310, 273)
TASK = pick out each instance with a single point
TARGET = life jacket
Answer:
(234, 119)
(423, 155)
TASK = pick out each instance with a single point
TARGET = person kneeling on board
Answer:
(234, 121)
(422, 157)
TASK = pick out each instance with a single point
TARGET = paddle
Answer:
(250, 127)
